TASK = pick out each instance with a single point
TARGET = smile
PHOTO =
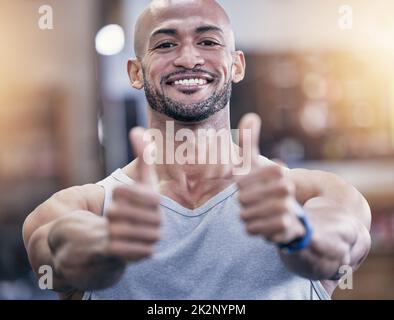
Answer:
(189, 80)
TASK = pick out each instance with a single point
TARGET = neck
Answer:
(186, 165)
(192, 183)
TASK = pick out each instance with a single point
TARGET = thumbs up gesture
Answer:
(266, 194)
(134, 214)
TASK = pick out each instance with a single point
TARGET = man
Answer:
(197, 231)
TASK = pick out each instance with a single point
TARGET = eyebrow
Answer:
(164, 31)
(174, 32)
(208, 28)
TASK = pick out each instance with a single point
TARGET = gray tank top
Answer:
(206, 254)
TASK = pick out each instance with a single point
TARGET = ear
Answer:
(239, 66)
(134, 70)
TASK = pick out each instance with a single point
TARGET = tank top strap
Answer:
(114, 180)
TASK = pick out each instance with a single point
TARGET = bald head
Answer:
(186, 59)
(160, 13)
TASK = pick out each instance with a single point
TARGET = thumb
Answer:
(249, 128)
(145, 152)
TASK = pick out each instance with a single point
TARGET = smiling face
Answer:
(186, 59)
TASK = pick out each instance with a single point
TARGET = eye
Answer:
(209, 43)
(166, 45)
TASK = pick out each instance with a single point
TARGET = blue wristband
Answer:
(302, 242)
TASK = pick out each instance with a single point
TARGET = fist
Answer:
(133, 218)
(266, 194)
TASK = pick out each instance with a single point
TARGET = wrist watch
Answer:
(301, 242)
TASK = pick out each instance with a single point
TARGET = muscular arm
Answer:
(67, 233)
(341, 220)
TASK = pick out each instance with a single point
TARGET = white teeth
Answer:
(190, 82)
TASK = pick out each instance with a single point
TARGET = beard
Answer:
(194, 112)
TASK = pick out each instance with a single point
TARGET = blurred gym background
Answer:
(323, 86)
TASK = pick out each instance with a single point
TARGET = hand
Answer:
(266, 194)
(134, 215)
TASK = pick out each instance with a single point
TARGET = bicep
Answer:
(55, 207)
(313, 183)
(64, 202)
(330, 187)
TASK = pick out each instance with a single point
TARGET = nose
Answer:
(189, 57)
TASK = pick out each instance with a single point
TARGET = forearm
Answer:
(40, 255)
(76, 248)
(339, 239)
